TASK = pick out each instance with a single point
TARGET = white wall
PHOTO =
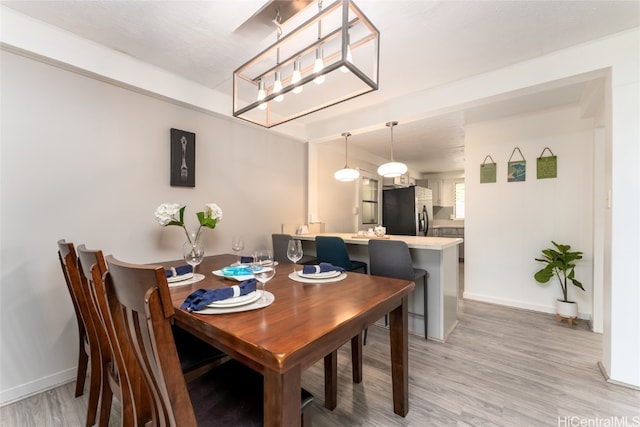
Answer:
(509, 223)
(337, 200)
(619, 55)
(89, 162)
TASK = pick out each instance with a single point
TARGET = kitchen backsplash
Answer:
(442, 212)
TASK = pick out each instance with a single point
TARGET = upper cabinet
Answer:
(436, 190)
(442, 191)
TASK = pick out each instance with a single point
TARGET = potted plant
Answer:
(560, 262)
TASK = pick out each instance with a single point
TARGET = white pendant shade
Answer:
(392, 169)
(346, 174)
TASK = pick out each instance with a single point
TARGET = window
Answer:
(458, 191)
(369, 201)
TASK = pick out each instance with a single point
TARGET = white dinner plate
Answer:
(325, 275)
(180, 278)
(298, 278)
(257, 304)
(195, 279)
(237, 301)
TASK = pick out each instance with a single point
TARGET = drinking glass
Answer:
(294, 252)
(193, 253)
(237, 244)
(264, 268)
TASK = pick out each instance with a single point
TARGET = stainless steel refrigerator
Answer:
(408, 211)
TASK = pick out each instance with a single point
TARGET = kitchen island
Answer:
(437, 255)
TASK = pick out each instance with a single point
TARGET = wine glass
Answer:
(294, 252)
(237, 244)
(193, 254)
(264, 268)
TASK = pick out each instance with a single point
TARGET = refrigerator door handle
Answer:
(425, 218)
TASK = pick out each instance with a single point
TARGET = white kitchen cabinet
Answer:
(442, 191)
(447, 196)
(436, 188)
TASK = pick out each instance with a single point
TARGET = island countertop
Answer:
(414, 242)
(438, 256)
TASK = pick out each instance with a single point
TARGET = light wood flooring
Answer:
(499, 367)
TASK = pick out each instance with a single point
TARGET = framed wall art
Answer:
(547, 167)
(488, 171)
(517, 169)
(183, 158)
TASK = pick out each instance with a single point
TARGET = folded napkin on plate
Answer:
(178, 271)
(323, 267)
(199, 299)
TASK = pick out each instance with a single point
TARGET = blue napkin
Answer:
(178, 271)
(323, 267)
(199, 299)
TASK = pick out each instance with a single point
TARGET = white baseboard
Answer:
(550, 309)
(40, 385)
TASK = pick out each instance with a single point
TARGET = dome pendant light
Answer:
(346, 174)
(392, 169)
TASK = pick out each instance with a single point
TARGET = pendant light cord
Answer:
(391, 125)
(346, 136)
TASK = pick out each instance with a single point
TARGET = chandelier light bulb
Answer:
(277, 87)
(262, 94)
(296, 77)
(318, 66)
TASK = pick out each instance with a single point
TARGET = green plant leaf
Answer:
(182, 215)
(206, 222)
(544, 275)
(559, 262)
(577, 284)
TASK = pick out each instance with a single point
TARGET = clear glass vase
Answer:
(193, 250)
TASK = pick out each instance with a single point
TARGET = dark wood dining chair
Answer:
(115, 380)
(83, 343)
(89, 343)
(333, 249)
(196, 356)
(391, 258)
(231, 394)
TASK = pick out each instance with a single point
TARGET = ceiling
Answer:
(423, 44)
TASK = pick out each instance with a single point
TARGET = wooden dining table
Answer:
(306, 323)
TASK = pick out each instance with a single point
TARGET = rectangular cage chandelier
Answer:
(330, 58)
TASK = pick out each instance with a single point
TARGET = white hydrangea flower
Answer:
(167, 212)
(213, 211)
